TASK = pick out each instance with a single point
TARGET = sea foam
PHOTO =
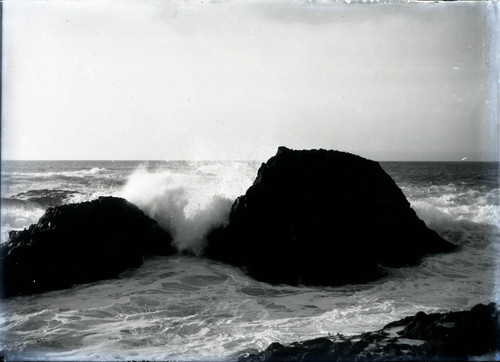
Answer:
(474, 206)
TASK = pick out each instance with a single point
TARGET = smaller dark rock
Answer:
(79, 243)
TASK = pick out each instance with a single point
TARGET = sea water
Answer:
(191, 308)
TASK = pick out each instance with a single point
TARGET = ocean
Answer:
(191, 308)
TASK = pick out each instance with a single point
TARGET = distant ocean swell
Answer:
(50, 174)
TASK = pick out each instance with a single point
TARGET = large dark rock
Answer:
(322, 217)
(79, 243)
(424, 337)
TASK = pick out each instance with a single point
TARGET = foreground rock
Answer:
(79, 243)
(324, 218)
(448, 336)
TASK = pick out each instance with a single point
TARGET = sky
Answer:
(235, 79)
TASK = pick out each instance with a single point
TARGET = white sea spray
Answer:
(186, 204)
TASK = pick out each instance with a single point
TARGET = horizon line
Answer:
(214, 160)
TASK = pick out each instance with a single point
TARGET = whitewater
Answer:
(190, 308)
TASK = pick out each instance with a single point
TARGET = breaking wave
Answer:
(448, 205)
(187, 205)
(18, 214)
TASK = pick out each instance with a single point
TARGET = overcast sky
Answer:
(235, 79)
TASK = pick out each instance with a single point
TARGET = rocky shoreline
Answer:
(451, 336)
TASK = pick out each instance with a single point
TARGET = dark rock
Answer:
(470, 333)
(357, 347)
(473, 332)
(324, 218)
(79, 243)
(304, 351)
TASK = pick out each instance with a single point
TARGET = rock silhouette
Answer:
(322, 217)
(79, 243)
